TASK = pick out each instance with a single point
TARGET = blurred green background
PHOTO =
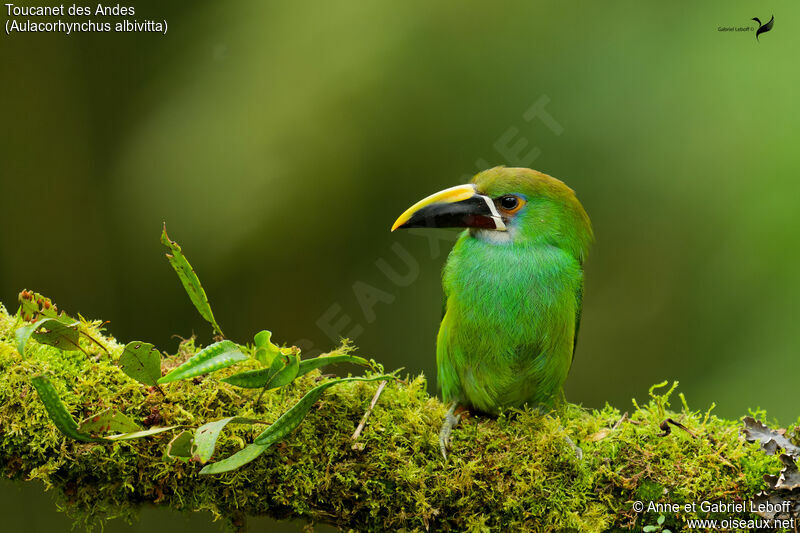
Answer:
(279, 141)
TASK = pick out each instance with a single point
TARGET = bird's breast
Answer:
(512, 288)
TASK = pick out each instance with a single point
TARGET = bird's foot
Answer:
(450, 421)
(575, 448)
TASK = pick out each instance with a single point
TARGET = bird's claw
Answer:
(450, 421)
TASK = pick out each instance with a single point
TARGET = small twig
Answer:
(620, 421)
(364, 418)
(266, 387)
(95, 341)
(261, 394)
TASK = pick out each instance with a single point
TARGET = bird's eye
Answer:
(510, 203)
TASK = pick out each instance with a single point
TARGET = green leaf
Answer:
(250, 379)
(66, 424)
(280, 428)
(33, 305)
(205, 439)
(282, 372)
(107, 421)
(255, 379)
(660, 520)
(58, 412)
(62, 333)
(649, 529)
(318, 362)
(142, 362)
(262, 338)
(190, 281)
(265, 351)
(292, 418)
(24, 333)
(210, 359)
(139, 434)
(180, 447)
(240, 458)
(286, 374)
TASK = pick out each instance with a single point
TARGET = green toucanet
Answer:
(513, 286)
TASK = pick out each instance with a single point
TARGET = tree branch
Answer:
(512, 473)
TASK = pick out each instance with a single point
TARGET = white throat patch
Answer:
(493, 236)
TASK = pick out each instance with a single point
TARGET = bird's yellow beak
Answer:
(457, 207)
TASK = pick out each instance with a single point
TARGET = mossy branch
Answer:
(512, 473)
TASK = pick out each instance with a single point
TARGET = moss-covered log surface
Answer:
(514, 473)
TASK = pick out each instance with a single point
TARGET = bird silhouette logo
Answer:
(763, 28)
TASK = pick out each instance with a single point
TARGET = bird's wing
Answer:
(448, 358)
(578, 309)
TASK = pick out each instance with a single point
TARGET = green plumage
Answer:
(513, 298)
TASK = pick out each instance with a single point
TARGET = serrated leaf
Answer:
(139, 434)
(205, 439)
(57, 411)
(210, 359)
(189, 280)
(142, 362)
(107, 421)
(180, 447)
(280, 428)
(33, 305)
(265, 351)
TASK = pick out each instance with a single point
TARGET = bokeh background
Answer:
(280, 140)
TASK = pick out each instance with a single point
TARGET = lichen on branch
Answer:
(512, 473)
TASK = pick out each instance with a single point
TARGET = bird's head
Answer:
(508, 206)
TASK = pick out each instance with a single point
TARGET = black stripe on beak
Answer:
(473, 212)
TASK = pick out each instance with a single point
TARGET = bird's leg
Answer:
(450, 421)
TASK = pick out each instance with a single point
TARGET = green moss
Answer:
(512, 473)
(649, 491)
